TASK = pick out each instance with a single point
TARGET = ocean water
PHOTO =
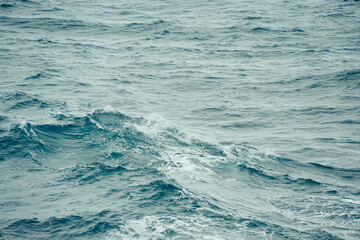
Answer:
(183, 119)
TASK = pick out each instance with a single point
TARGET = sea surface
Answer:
(208, 119)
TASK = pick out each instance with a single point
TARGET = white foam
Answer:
(153, 125)
(110, 109)
(158, 227)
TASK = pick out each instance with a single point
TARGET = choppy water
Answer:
(179, 119)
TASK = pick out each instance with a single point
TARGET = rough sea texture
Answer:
(180, 119)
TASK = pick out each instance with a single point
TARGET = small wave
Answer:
(21, 100)
(26, 1)
(159, 189)
(92, 172)
(352, 75)
(257, 174)
(297, 30)
(55, 9)
(304, 181)
(347, 174)
(17, 3)
(52, 24)
(38, 76)
(108, 133)
(255, 171)
(243, 125)
(23, 143)
(334, 15)
(2, 118)
(69, 227)
(252, 18)
(344, 79)
(317, 110)
(6, 5)
(161, 26)
(260, 29)
(211, 109)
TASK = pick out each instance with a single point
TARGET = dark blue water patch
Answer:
(92, 131)
(323, 235)
(347, 122)
(25, 1)
(211, 111)
(334, 15)
(70, 227)
(20, 100)
(17, 3)
(51, 24)
(350, 174)
(80, 135)
(326, 139)
(254, 223)
(267, 171)
(252, 18)
(279, 232)
(21, 142)
(2, 118)
(90, 173)
(332, 172)
(157, 27)
(240, 125)
(99, 120)
(350, 141)
(352, 75)
(209, 148)
(6, 5)
(318, 110)
(132, 180)
(54, 9)
(256, 172)
(159, 189)
(69, 44)
(11, 204)
(344, 79)
(229, 53)
(39, 76)
(297, 30)
(156, 198)
(332, 192)
(260, 29)
(333, 140)
(303, 181)
(45, 41)
(279, 178)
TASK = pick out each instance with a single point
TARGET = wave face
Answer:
(179, 120)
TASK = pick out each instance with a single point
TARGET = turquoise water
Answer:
(179, 119)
